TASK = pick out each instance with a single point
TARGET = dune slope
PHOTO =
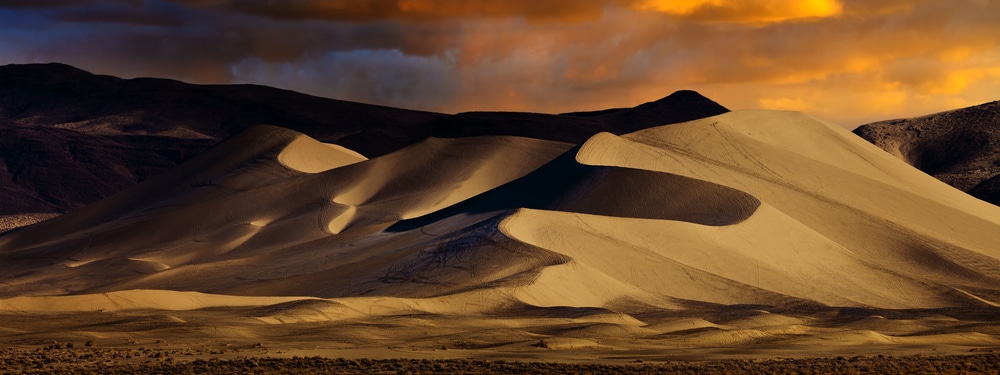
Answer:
(738, 230)
(100, 134)
(265, 191)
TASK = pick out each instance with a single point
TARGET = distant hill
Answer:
(57, 95)
(960, 147)
(69, 137)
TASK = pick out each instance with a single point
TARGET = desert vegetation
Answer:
(76, 359)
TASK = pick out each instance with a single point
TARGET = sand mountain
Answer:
(100, 134)
(749, 228)
(960, 147)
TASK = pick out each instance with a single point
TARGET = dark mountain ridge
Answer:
(63, 96)
(70, 137)
(960, 147)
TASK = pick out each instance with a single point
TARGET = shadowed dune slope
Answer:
(960, 147)
(744, 229)
(99, 135)
(255, 193)
(566, 185)
(750, 207)
(930, 244)
(575, 128)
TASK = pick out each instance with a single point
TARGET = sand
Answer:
(745, 235)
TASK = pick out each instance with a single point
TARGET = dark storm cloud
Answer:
(849, 60)
(384, 76)
(371, 10)
(25, 4)
(120, 13)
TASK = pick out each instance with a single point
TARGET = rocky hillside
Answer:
(960, 147)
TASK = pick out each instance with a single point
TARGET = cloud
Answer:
(752, 11)
(788, 104)
(550, 10)
(388, 77)
(22, 4)
(422, 10)
(847, 61)
(120, 13)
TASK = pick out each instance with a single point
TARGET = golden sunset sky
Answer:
(847, 61)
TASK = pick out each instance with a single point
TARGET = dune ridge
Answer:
(750, 229)
(105, 134)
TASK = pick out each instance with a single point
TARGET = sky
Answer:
(845, 61)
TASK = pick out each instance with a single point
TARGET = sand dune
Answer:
(252, 199)
(103, 134)
(308, 155)
(754, 230)
(858, 197)
(133, 300)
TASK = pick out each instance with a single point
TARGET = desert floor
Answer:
(161, 358)
(743, 340)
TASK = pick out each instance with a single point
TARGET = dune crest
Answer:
(133, 300)
(305, 154)
(737, 230)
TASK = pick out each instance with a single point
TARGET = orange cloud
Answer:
(959, 80)
(745, 11)
(788, 104)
